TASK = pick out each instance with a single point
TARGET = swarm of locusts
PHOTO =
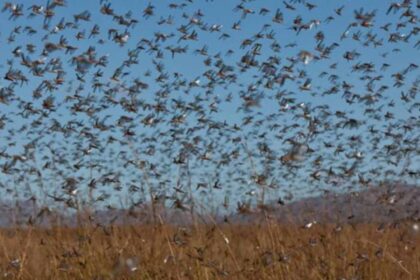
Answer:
(180, 139)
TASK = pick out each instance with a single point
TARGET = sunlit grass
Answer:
(266, 251)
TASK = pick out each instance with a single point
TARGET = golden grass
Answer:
(268, 251)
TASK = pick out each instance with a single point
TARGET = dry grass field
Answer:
(266, 251)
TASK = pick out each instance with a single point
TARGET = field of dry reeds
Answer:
(266, 251)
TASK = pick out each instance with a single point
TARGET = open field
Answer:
(267, 251)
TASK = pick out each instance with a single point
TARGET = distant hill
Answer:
(375, 204)
(372, 205)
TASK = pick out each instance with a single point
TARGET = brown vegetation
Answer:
(266, 251)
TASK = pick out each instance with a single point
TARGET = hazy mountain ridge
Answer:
(373, 205)
(376, 204)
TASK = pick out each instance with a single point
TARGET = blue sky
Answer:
(398, 55)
